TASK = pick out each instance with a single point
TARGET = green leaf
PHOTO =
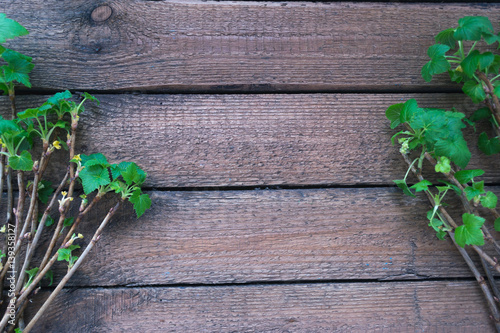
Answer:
(10, 29)
(94, 159)
(437, 51)
(63, 254)
(401, 183)
(410, 107)
(21, 162)
(472, 27)
(422, 185)
(488, 146)
(60, 96)
(470, 232)
(495, 65)
(470, 63)
(465, 176)
(485, 60)
(475, 91)
(45, 190)
(443, 165)
(481, 114)
(496, 91)
(50, 276)
(68, 222)
(489, 200)
(133, 175)
(497, 224)
(18, 68)
(141, 202)
(94, 176)
(433, 67)
(49, 221)
(31, 275)
(446, 37)
(455, 149)
(393, 113)
(91, 98)
(476, 189)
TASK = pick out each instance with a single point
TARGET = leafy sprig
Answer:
(456, 52)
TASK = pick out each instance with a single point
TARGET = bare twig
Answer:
(73, 269)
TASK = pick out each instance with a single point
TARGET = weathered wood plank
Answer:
(256, 140)
(233, 46)
(351, 307)
(214, 237)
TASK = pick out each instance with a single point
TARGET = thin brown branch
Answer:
(73, 269)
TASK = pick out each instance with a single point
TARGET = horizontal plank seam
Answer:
(269, 283)
(277, 187)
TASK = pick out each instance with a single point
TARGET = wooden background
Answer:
(262, 128)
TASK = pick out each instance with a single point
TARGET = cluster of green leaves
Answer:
(439, 133)
(449, 55)
(18, 135)
(436, 131)
(18, 66)
(124, 178)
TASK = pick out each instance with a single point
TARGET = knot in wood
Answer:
(101, 13)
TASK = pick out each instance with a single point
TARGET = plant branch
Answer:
(73, 269)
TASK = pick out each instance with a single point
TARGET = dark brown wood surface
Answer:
(211, 237)
(257, 140)
(429, 306)
(233, 46)
(231, 98)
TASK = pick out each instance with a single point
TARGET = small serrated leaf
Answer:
(141, 202)
(21, 162)
(470, 232)
(465, 176)
(489, 200)
(401, 183)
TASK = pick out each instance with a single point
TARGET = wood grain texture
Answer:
(256, 140)
(349, 307)
(213, 237)
(233, 46)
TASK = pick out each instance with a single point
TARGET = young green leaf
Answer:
(481, 114)
(455, 149)
(470, 232)
(470, 63)
(401, 183)
(45, 190)
(31, 275)
(18, 67)
(393, 113)
(443, 165)
(486, 60)
(133, 175)
(10, 29)
(141, 202)
(476, 189)
(49, 221)
(94, 159)
(421, 186)
(50, 277)
(94, 176)
(91, 98)
(489, 200)
(438, 63)
(68, 222)
(409, 108)
(472, 28)
(21, 162)
(497, 224)
(474, 90)
(65, 254)
(488, 146)
(446, 37)
(465, 176)
(60, 96)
